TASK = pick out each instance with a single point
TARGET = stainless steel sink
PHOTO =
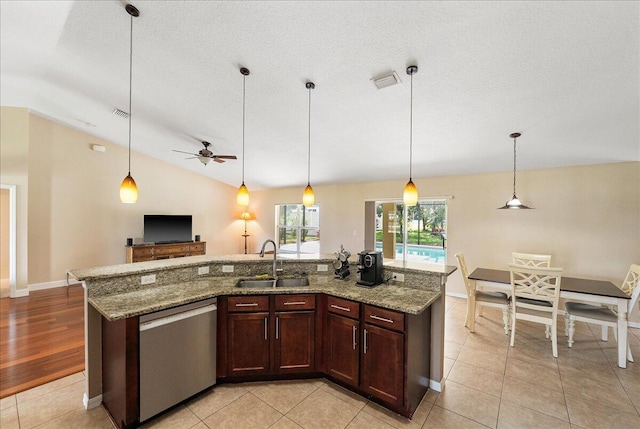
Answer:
(251, 283)
(294, 282)
(266, 283)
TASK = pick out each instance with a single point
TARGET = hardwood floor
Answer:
(41, 338)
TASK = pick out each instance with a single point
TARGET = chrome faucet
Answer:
(275, 255)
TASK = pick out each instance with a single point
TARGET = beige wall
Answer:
(14, 170)
(75, 217)
(4, 235)
(587, 218)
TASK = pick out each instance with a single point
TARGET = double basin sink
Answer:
(267, 283)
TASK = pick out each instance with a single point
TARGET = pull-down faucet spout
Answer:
(275, 255)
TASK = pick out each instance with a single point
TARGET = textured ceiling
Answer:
(564, 74)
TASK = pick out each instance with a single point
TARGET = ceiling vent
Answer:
(386, 80)
(120, 113)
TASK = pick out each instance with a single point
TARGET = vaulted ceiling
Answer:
(564, 74)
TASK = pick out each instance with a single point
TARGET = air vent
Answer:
(120, 113)
(387, 80)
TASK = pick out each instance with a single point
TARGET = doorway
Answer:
(7, 240)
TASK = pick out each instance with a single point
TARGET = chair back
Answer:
(630, 285)
(465, 273)
(541, 284)
(531, 260)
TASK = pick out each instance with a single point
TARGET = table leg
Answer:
(622, 333)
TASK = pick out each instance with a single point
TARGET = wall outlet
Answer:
(398, 277)
(203, 270)
(227, 268)
(323, 267)
(147, 280)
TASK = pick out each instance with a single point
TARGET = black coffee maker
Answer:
(370, 268)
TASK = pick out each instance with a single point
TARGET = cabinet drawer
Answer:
(140, 252)
(295, 302)
(250, 303)
(343, 307)
(172, 250)
(196, 248)
(384, 318)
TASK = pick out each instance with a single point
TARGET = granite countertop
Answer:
(139, 302)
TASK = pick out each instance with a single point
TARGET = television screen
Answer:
(167, 228)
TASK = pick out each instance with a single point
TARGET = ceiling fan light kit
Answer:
(242, 197)
(514, 203)
(410, 195)
(308, 197)
(128, 187)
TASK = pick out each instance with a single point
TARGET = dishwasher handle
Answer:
(144, 326)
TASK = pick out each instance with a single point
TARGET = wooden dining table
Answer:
(571, 288)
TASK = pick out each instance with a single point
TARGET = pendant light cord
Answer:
(244, 94)
(514, 166)
(130, 79)
(309, 140)
(411, 131)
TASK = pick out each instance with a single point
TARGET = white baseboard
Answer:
(457, 295)
(51, 285)
(437, 386)
(91, 403)
(19, 293)
(634, 324)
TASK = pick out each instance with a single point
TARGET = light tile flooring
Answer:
(488, 384)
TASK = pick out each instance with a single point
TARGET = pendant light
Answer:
(243, 193)
(410, 196)
(128, 188)
(514, 202)
(308, 197)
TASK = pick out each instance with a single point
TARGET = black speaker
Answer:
(197, 237)
(129, 241)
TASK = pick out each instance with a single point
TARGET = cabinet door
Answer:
(383, 364)
(295, 341)
(342, 348)
(248, 343)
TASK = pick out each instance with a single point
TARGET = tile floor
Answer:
(488, 385)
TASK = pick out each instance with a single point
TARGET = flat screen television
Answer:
(167, 229)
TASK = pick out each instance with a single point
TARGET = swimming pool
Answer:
(434, 255)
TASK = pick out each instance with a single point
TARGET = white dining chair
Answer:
(534, 297)
(477, 298)
(531, 259)
(603, 316)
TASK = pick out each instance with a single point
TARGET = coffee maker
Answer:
(370, 268)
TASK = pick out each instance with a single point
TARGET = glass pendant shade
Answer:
(243, 196)
(128, 190)
(410, 196)
(308, 197)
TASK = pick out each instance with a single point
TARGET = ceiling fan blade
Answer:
(188, 153)
(225, 156)
(192, 157)
(216, 159)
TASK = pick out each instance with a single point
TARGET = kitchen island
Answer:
(115, 296)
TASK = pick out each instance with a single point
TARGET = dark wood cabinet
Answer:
(342, 348)
(383, 364)
(248, 343)
(154, 252)
(248, 335)
(268, 335)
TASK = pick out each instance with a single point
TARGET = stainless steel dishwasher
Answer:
(177, 355)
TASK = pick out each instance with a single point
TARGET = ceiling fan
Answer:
(205, 155)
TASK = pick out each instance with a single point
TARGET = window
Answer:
(298, 228)
(425, 235)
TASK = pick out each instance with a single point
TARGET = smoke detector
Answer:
(386, 80)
